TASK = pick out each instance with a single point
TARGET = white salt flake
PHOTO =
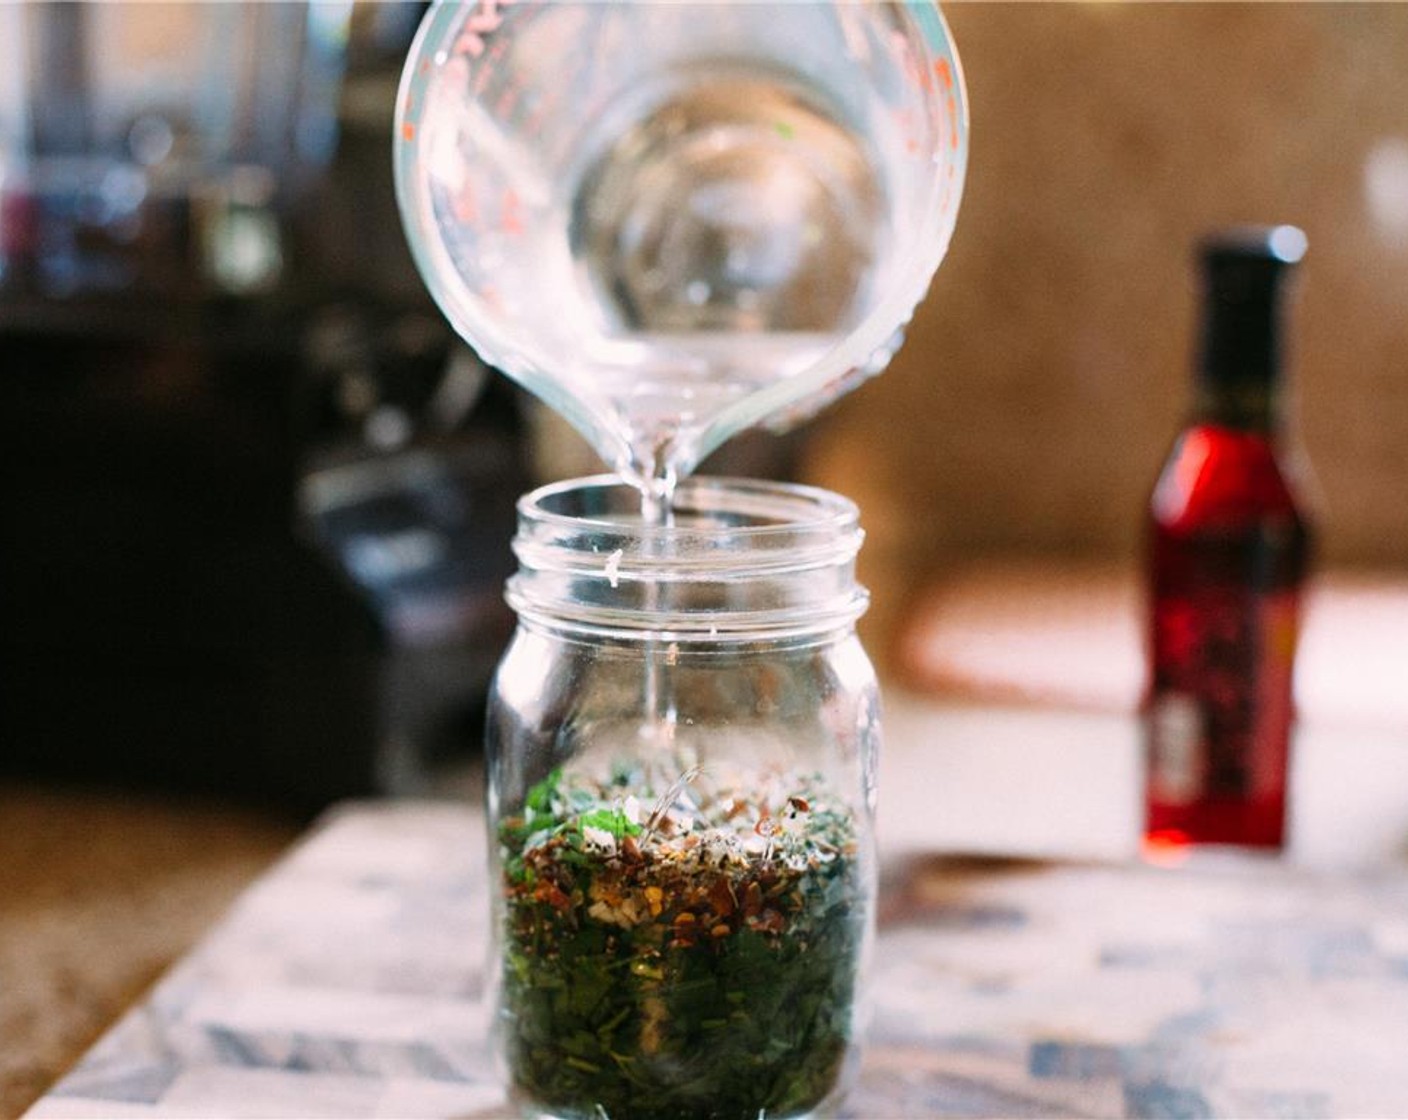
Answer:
(599, 839)
(613, 568)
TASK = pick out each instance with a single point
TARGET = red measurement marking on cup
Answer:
(466, 204)
(506, 102)
(512, 212)
(913, 72)
(483, 20)
(945, 75)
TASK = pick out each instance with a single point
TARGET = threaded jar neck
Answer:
(741, 560)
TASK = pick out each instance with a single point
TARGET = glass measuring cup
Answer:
(673, 221)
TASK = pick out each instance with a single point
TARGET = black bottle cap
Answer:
(1243, 273)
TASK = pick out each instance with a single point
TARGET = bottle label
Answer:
(1175, 748)
(1219, 715)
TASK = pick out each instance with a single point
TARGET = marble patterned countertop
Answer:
(346, 983)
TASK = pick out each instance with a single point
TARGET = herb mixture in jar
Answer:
(688, 953)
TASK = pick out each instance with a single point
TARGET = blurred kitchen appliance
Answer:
(146, 149)
(178, 212)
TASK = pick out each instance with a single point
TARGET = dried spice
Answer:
(696, 958)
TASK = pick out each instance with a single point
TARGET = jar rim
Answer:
(834, 511)
(742, 556)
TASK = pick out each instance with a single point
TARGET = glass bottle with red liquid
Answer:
(1229, 545)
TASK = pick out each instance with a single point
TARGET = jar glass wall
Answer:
(682, 749)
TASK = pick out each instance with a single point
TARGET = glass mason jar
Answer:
(682, 752)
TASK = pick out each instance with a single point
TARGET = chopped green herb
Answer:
(694, 959)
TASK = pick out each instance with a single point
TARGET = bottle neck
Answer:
(1244, 408)
(1239, 372)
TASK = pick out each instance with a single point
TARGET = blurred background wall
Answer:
(1045, 377)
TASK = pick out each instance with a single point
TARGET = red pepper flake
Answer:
(721, 898)
(553, 895)
(769, 921)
